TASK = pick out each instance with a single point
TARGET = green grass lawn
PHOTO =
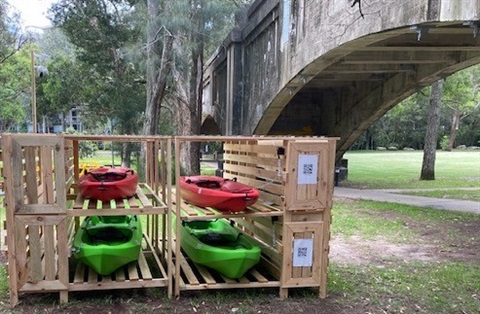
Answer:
(401, 170)
(459, 194)
(405, 283)
(101, 158)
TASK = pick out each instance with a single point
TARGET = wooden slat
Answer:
(264, 208)
(152, 251)
(259, 232)
(250, 148)
(156, 199)
(21, 252)
(143, 198)
(132, 272)
(269, 175)
(228, 280)
(269, 163)
(47, 175)
(271, 267)
(63, 253)
(132, 202)
(34, 260)
(187, 209)
(50, 260)
(277, 200)
(266, 186)
(144, 269)
(79, 273)
(206, 275)
(258, 276)
(107, 279)
(187, 270)
(120, 275)
(244, 280)
(92, 276)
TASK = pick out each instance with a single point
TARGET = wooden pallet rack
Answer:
(290, 222)
(43, 211)
(291, 218)
(140, 274)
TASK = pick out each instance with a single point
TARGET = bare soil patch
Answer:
(441, 242)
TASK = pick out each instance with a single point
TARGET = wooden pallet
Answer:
(148, 271)
(198, 277)
(145, 201)
(192, 212)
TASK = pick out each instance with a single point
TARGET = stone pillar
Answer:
(233, 112)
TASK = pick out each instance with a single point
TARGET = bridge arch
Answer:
(209, 126)
(355, 90)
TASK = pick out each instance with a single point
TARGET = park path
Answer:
(392, 196)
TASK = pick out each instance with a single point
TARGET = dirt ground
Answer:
(449, 241)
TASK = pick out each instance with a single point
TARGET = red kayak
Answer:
(217, 192)
(108, 183)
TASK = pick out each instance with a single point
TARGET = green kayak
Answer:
(218, 245)
(105, 243)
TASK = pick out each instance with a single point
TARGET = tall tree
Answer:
(204, 23)
(101, 30)
(159, 55)
(188, 73)
(431, 136)
(14, 70)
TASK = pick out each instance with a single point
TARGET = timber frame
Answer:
(291, 218)
(290, 222)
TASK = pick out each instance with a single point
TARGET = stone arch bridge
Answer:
(317, 67)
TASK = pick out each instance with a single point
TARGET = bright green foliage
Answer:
(462, 97)
(14, 89)
(98, 29)
(106, 78)
(14, 72)
(405, 124)
(395, 170)
(461, 90)
(61, 89)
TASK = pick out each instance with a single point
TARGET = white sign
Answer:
(307, 169)
(302, 252)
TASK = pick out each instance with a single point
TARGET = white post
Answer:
(34, 94)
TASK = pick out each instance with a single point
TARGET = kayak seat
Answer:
(115, 219)
(207, 184)
(234, 187)
(108, 176)
(109, 228)
(217, 239)
(109, 234)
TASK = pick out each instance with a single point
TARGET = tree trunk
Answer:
(182, 122)
(190, 90)
(152, 112)
(153, 51)
(156, 83)
(196, 94)
(431, 136)
(454, 129)
(127, 149)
